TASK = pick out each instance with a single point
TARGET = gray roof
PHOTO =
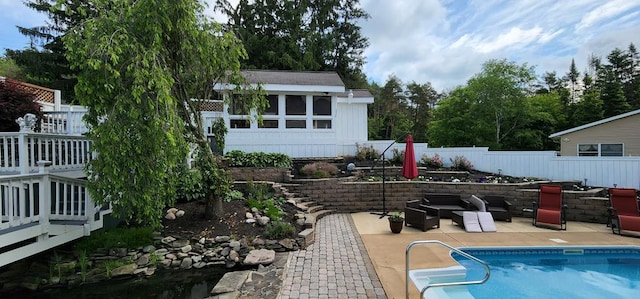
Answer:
(293, 77)
(357, 93)
(595, 123)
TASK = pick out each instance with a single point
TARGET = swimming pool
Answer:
(555, 272)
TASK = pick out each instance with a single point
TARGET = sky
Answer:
(446, 42)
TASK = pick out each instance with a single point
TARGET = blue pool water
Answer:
(555, 272)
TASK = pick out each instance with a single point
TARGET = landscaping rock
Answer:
(260, 257)
(180, 213)
(263, 220)
(124, 270)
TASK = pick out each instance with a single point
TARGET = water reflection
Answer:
(164, 284)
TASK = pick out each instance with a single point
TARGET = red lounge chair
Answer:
(623, 210)
(550, 208)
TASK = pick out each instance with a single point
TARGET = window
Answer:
(273, 105)
(236, 106)
(602, 150)
(296, 124)
(295, 105)
(269, 124)
(611, 150)
(240, 124)
(321, 105)
(322, 124)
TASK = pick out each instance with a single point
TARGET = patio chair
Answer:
(550, 208)
(623, 210)
(498, 206)
(421, 216)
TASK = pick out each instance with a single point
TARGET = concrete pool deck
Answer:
(387, 250)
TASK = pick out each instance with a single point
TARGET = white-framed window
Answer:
(322, 112)
(601, 150)
(295, 107)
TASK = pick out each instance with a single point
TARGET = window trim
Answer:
(598, 152)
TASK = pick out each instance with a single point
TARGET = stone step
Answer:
(314, 208)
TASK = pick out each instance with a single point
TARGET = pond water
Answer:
(164, 284)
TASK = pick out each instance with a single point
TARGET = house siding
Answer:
(625, 131)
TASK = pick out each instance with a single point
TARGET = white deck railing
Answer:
(20, 152)
(44, 210)
(63, 122)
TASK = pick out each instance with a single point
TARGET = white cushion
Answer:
(479, 203)
(471, 224)
(486, 222)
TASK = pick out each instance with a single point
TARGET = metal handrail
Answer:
(443, 284)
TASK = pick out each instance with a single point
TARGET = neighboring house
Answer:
(310, 114)
(615, 136)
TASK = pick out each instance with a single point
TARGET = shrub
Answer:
(233, 195)
(366, 153)
(431, 162)
(15, 103)
(260, 191)
(257, 159)
(279, 230)
(398, 157)
(460, 163)
(268, 207)
(319, 170)
(189, 183)
(117, 237)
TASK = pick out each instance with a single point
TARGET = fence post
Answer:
(44, 198)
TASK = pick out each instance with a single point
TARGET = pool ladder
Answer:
(443, 284)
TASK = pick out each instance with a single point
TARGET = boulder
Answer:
(260, 257)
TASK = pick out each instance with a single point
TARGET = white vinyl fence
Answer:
(623, 172)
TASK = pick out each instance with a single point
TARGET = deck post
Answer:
(44, 199)
(23, 153)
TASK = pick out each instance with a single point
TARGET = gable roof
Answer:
(595, 123)
(291, 81)
(292, 77)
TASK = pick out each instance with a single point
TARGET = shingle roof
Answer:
(293, 77)
(357, 93)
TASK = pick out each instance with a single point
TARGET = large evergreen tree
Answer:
(301, 35)
(44, 62)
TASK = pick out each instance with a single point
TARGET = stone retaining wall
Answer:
(347, 195)
(271, 174)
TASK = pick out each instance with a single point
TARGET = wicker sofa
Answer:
(447, 203)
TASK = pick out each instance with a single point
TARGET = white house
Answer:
(310, 114)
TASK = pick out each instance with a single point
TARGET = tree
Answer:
(452, 123)
(421, 98)
(572, 77)
(139, 66)
(9, 68)
(301, 35)
(389, 114)
(44, 62)
(15, 102)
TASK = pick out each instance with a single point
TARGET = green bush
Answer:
(117, 238)
(431, 162)
(233, 195)
(260, 191)
(257, 159)
(398, 157)
(366, 153)
(319, 170)
(279, 230)
(189, 186)
(268, 207)
(460, 163)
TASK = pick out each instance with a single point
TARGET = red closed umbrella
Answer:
(409, 166)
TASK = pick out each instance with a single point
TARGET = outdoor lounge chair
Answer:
(421, 216)
(550, 208)
(498, 206)
(623, 210)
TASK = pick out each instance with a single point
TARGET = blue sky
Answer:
(445, 42)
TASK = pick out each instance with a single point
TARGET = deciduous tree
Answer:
(140, 66)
